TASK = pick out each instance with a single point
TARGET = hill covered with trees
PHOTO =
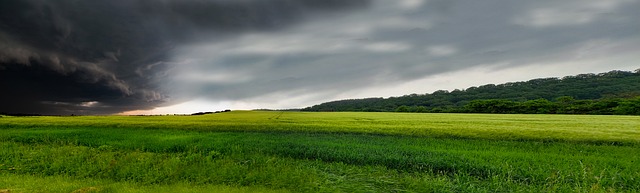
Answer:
(614, 92)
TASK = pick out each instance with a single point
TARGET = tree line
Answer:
(614, 92)
(562, 105)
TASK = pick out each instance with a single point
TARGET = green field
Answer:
(255, 151)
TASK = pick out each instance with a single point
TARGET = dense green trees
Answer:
(612, 106)
(614, 92)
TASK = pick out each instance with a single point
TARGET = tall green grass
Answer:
(325, 152)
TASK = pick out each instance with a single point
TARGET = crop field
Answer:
(271, 151)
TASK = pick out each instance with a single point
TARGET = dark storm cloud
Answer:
(99, 57)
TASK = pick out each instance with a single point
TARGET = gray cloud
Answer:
(114, 56)
(398, 41)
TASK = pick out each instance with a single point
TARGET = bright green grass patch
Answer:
(322, 152)
(240, 167)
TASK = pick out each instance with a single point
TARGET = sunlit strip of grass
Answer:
(578, 128)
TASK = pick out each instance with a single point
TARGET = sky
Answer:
(183, 56)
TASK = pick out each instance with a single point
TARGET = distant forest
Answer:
(614, 92)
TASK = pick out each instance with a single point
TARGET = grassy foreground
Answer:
(255, 151)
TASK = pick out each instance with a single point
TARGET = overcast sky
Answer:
(183, 56)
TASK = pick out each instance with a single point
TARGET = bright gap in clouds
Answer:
(189, 107)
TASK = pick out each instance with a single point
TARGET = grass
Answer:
(34, 183)
(255, 151)
(595, 128)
